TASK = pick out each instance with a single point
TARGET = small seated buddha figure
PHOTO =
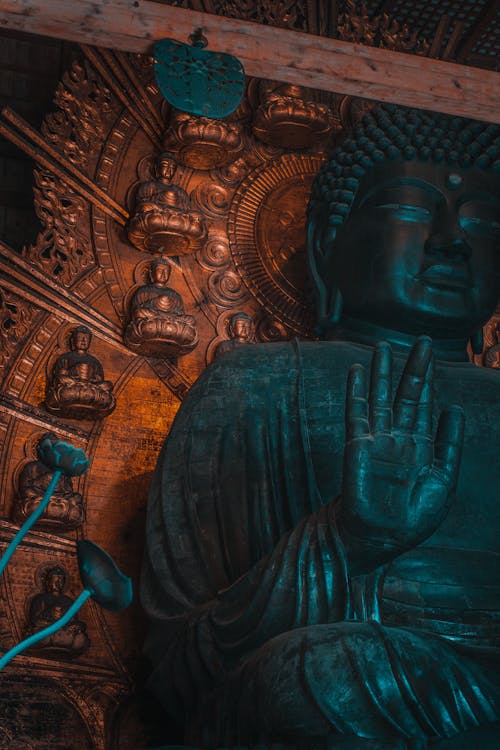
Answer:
(162, 220)
(47, 607)
(158, 325)
(492, 354)
(241, 331)
(288, 117)
(323, 534)
(77, 387)
(65, 510)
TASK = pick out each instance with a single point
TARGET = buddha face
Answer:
(55, 582)
(80, 340)
(160, 273)
(419, 251)
(166, 168)
(242, 328)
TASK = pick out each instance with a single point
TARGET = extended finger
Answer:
(423, 416)
(356, 407)
(448, 444)
(411, 384)
(381, 389)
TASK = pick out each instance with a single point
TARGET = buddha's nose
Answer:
(447, 238)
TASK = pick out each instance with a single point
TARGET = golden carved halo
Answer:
(267, 233)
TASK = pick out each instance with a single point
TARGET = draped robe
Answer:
(258, 631)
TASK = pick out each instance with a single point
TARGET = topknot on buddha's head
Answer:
(393, 133)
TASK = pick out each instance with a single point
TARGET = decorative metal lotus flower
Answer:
(101, 579)
(102, 582)
(62, 457)
(100, 576)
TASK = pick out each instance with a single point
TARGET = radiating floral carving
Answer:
(356, 25)
(78, 127)
(212, 199)
(226, 288)
(16, 315)
(266, 230)
(286, 13)
(214, 254)
(62, 248)
(269, 329)
(233, 173)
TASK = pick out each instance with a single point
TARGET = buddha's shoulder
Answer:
(469, 385)
(264, 366)
(269, 368)
(274, 356)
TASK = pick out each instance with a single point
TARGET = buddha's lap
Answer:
(360, 678)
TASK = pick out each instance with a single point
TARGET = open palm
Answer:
(398, 480)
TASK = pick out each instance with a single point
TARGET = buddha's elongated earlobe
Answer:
(477, 341)
(320, 243)
(336, 305)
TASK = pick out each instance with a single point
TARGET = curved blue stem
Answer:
(30, 521)
(53, 628)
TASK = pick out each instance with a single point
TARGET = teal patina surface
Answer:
(198, 81)
(322, 551)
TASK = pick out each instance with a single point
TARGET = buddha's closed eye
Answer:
(480, 227)
(405, 212)
(480, 218)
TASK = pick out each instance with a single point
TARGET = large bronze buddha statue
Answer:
(323, 555)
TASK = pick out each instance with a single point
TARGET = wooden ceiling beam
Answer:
(268, 52)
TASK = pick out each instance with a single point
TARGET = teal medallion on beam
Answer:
(194, 80)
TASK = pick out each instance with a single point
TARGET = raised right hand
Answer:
(398, 480)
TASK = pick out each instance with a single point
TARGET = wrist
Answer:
(364, 554)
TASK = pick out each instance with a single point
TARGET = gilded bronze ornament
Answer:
(163, 221)
(157, 324)
(50, 605)
(203, 143)
(76, 386)
(491, 357)
(289, 118)
(65, 510)
(268, 239)
(241, 330)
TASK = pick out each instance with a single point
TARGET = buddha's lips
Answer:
(447, 275)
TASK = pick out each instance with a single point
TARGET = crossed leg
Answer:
(357, 679)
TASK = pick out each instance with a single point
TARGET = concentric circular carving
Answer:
(267, 232)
